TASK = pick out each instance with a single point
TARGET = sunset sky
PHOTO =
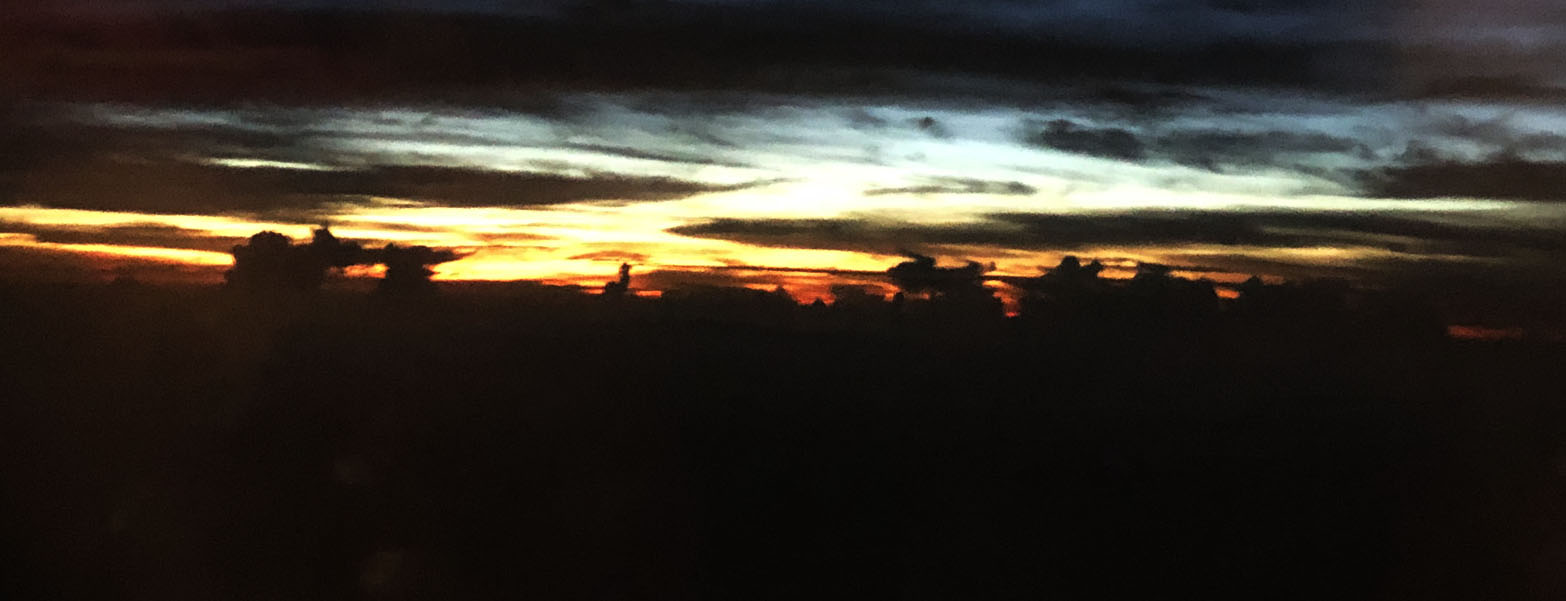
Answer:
(1411, 143)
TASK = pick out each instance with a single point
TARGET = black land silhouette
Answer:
(281, 437)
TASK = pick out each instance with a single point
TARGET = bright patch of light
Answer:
(270, 164)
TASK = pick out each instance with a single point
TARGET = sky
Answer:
(1413, 143)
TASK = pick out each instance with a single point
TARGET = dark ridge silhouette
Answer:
(1171, 298)
(1118, 438)
(729, 304)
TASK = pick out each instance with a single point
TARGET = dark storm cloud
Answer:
(317, 52)
(1107, 142)
(1140, 99)
(958, 185)
(1497, 179)
(1271, 229)
(1491, 88)
(292, 56)
(1214, 149)
(1513, 163)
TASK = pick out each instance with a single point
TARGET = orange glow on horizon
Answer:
(582, 244)
(170, 255)
(1475, 332)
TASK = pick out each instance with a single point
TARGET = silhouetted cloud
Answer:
(920, 274)
(270, 262)
(408, 268)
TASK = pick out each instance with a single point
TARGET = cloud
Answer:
(1215, 150)
(1007, 230)
(1496, 179)
(958, 185)
(1211, 149)
(812, 48)
(1492, 88)
(612, 255)
(149, 234)
(666, 157)
(1141, 99)
(178, 187)
(287, 162)
(1497, 136)
(1106, 142)
(1243, 230)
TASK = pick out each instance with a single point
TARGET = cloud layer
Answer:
(1379, 140)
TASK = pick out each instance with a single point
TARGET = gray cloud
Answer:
(1491, 88)
(1497, 136)
(171, 187)
(1499, 179)
(1107, 142)
(1268, 229)
(795, 47)
(1214, 149)
(958, 185)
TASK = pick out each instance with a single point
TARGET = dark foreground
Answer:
(191, 444)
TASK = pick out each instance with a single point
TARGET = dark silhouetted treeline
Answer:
(1116, 439)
